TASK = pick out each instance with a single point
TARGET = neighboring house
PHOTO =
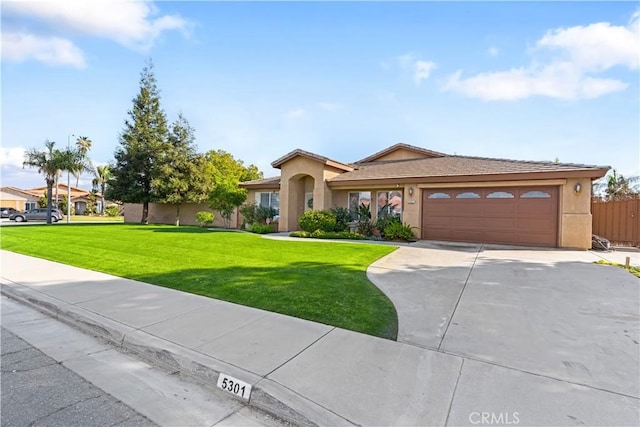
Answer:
(21, 200)
(28, 199)
(446, 197)
(79, 197)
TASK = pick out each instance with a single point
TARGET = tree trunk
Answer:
(178, 216)
(102, 197)
(57, 189)
(145, 213)
(49, 194)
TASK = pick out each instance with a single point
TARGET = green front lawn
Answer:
(324, 282)
(96, 218)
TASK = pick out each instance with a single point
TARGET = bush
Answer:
(386, 221)
(318, 234)
(112, 210)
(317, 220)
(204, 218)
(343, 218)
(366, 227)
(261, 228)
(252, 213)
(398, 231)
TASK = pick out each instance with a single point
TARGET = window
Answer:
(535, 195)
(500, 195)
(439, 196)
(468, 195)
(357, 199)
(389, 203)
(29, 205)
(269, 200)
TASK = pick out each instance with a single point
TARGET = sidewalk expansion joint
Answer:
(537, 374)
(453, 395)
(455, 307)
(300, 352)
(312, 401)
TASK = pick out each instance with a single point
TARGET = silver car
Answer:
(39, 214)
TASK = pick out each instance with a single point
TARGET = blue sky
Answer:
(530, 81)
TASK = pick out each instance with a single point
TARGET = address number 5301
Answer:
(234, 386)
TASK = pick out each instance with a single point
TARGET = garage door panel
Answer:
(527, 216)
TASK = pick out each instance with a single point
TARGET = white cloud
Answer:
(493, 51)
(55, 51)
(417, 68)
(422, 70)
(580, 52)
(134, 24)
(11, 156)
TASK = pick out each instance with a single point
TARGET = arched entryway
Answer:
(300, 198)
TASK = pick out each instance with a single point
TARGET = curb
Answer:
(267, 395)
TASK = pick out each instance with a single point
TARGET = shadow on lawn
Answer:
(337, 295)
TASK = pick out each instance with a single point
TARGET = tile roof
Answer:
(266, 182)
(448, 166)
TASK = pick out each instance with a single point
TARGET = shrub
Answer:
(398, 231)
(317, 220)
(386, 221)
(366, 227)
(204, 218)
(112, 210)
(318, 234)
(261, 228)
(252, 213)
(343, 218)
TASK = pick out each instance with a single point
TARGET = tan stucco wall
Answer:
(575, 220)
(8, 200)
(166, 214)
(401, 154)
(294, 182)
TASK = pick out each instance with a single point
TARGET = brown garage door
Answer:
(520, 216)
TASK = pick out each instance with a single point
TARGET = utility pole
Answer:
(69, 183)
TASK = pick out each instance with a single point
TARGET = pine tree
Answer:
(182, 173)
(141, 144)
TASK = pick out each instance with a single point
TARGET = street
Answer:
(36, 390)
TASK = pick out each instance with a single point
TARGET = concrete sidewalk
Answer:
(305, 372)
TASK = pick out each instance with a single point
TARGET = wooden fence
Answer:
(617, 220)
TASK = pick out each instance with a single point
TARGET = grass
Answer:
(633, 270)
(85, 218)
(319, 281)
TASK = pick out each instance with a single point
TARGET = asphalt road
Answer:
(38, 391)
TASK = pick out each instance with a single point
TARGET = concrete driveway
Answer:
(551, 313)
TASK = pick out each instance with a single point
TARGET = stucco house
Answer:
(446, 197)
(23, 200)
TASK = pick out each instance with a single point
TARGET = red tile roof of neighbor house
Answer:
(464, 166)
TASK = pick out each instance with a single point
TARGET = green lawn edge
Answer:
(320, 281)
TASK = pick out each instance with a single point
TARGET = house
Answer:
(28, 199)
(446, 197)
(21, 200)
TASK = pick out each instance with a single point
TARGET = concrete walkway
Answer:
(314, 374)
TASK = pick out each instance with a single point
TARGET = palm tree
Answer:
(49, 163)
(102, 177)
(83, 144)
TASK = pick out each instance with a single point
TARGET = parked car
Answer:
(7, 212)
(39, 214)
